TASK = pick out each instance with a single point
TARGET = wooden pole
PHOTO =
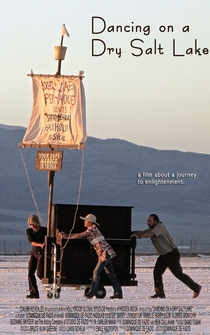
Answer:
(50, 230)
(58, 73)
(51, 175)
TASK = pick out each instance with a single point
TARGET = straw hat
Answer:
(91, 218)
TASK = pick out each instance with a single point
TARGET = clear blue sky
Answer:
(158, 100)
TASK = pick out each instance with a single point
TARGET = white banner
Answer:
(58, 114)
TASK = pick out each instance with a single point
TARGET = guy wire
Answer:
(78, 197)
(77, 205)
(29, 183)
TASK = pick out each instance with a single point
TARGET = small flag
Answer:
(64, 31)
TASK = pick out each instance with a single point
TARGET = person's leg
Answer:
(173, 260)
(159, 269)
(115, 282)
(33, 289)
(96, 279)
(40, 266)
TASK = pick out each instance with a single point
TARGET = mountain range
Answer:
(113, 172)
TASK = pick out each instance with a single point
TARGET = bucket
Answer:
(59, 52)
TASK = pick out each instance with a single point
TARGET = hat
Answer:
(91, 218)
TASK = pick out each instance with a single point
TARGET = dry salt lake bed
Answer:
(135, 314)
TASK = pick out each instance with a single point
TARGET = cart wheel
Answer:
(57, 295)
(87, 289)
(101, 293)
(49, 295)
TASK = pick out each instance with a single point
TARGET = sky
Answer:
(148, 87)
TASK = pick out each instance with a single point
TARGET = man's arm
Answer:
(143, 234)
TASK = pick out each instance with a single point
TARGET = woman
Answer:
(36, 237)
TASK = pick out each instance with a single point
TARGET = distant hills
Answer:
(115, 173)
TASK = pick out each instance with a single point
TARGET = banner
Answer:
(58, 116)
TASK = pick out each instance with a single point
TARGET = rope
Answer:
(29, 183)
(77, 204)
(78, 200)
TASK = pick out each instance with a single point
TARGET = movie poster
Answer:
(134, 88)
